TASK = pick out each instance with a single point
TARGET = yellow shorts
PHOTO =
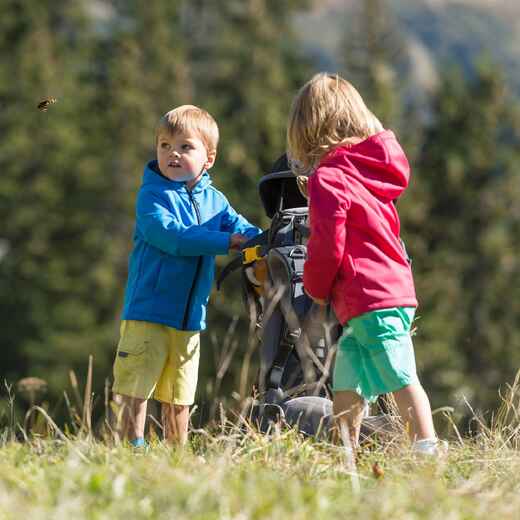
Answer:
(153, 359)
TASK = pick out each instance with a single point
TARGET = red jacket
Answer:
(355, 258)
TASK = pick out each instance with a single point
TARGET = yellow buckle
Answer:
(251, 254)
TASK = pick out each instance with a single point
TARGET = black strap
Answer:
(228, 269)
(278, 367)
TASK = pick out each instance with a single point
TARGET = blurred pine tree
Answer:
(375, 59)
(466, 233)
(55, 292)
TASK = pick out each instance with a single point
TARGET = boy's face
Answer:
(183, 156)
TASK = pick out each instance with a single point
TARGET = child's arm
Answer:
(162, 229)
(235, 223)
(326, 246)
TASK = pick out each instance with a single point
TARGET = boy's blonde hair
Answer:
(193, 119)
(326, 112)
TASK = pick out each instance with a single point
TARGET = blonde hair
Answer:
(192, 119)
(326, 112)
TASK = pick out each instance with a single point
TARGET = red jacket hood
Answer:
(378, 162)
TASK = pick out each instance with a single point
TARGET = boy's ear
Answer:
(212, 155)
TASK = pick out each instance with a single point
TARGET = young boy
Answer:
(182, 222)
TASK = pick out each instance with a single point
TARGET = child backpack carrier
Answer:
(297, 337)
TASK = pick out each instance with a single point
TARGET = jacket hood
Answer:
(151, 176)
(378, 162)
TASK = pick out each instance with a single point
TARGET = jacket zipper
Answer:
(197, 270)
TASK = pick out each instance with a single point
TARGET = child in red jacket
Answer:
(355, 257)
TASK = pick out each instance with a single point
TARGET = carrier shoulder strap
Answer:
(286, 263)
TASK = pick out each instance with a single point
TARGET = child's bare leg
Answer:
(415, 410)
(175, 420)
(133, 417)
(349, 409)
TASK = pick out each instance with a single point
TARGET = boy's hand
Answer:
(236, 241)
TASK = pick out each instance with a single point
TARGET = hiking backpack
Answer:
(296, 337)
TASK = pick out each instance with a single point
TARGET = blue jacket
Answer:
(177, 235)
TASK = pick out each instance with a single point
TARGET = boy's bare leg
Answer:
(349, 408)
(415, 410)
(133, 417)
(175, 418)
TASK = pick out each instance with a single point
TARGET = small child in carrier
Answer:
(355, 257)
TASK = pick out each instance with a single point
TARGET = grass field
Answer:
(229, 470)
(236, 473)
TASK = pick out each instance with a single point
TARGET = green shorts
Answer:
(375, 353)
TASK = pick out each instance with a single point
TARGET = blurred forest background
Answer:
(444, 75)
